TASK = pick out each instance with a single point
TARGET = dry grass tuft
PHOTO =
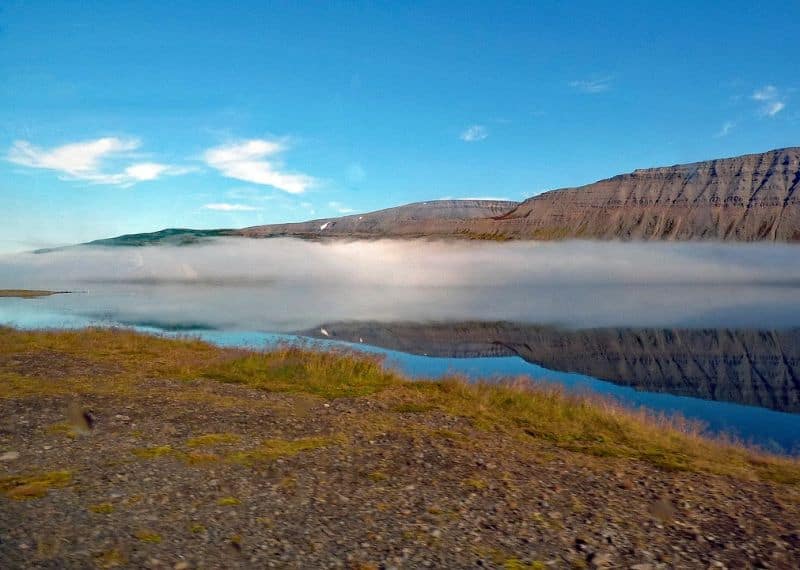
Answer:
(146, 535)
(153, 452)
(228, 502)
(271, 449)
(102, 508)
(34, 486)
(212, 439)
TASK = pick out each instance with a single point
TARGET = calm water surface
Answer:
(710, 332)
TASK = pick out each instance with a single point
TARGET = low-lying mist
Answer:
(281, 285)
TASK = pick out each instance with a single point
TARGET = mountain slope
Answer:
(753, 197)
(436, 217)
(747, 198)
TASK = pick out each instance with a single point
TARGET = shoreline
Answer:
(120, 448)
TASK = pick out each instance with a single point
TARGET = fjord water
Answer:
(709, 331)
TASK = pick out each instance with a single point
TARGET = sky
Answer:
(123, 117)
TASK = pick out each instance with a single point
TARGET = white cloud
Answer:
(341, 208)
(245, 160)
(593, 85)
(223, 207)
(726, 129)
(251, 193)
(83, 161)
(766, 93)
(774, 107)
(474, 133)
(771, 99)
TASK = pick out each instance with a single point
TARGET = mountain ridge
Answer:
(752, 197)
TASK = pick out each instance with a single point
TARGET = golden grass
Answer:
(146, 535)
(153, 452)
(328, 374)
(228, 502)
(271, 449)
(212, 439)
(111, 559)
(525, 411)
(102, 508)
(34, 486)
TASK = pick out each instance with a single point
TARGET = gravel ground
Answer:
(352, 484)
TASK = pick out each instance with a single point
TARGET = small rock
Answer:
(600, 559)
(9, 456)
(663, 509)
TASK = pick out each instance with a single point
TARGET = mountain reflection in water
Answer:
(752, 367)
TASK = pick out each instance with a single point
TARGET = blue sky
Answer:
(120, 117)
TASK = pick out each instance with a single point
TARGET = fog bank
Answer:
(287, 284)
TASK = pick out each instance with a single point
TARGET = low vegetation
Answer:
(34, 486)
(213, 439)
(119, 361)
(274, 448)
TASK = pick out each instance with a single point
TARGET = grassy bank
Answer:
(27, 293)
(118, 362)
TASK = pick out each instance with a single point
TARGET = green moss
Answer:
(475, 483)
(62, 428)
(110, 559)
(211, 439)
(272, 449)
(228, 502)
(102, 508)
(148, 536)
(412, 408)
(199, 457)
(153, 452)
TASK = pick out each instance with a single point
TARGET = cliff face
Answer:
(752, 197)
(760, 368)
(436, 217)
(748, 198)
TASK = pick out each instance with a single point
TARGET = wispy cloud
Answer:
(474, 133)
(223, 207)
(772, 100)
(84, 160)
(341, 208)
(726, 129)
(247, 160)
(355, 173)
(593, 85)
(251, 194)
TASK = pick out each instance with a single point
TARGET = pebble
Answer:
(9, 456)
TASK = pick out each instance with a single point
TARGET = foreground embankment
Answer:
(122, 449)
